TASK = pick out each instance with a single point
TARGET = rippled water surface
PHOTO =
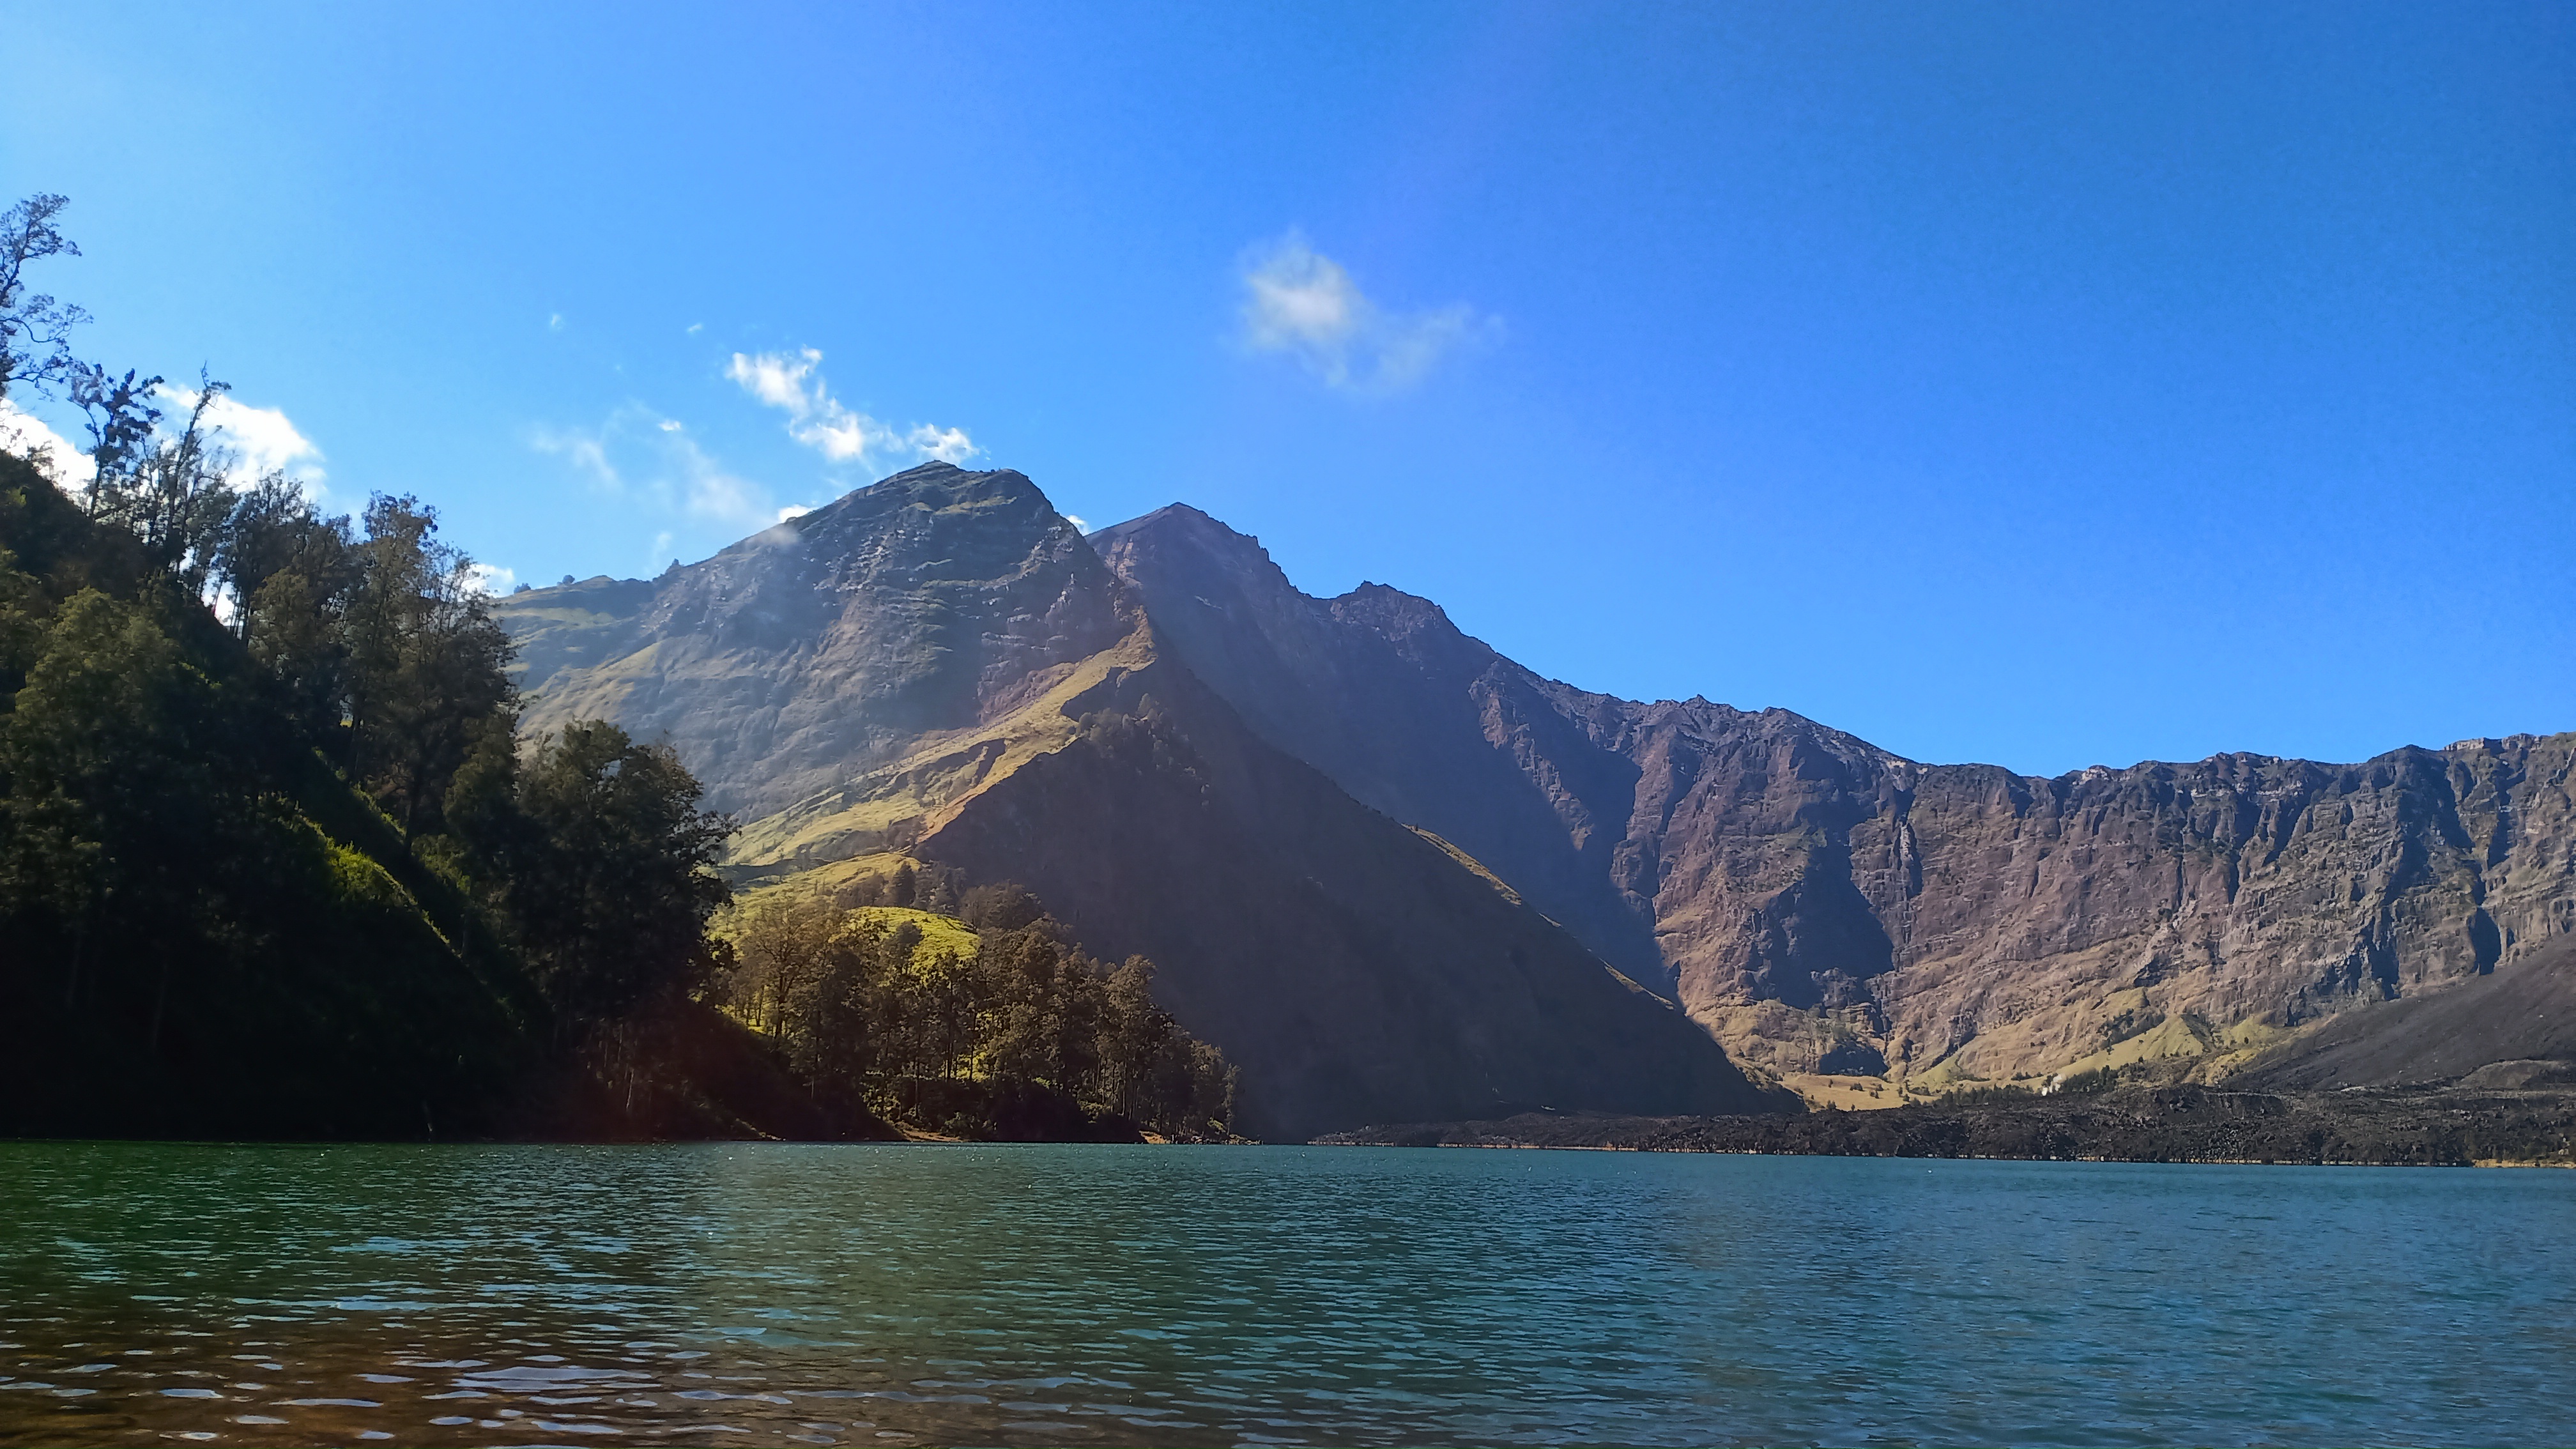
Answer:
(896, 1294)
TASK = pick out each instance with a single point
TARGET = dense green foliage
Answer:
(865, 1003)
(271, 861)
(594, 852)
(207, 930)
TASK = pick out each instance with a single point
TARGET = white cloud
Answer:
(1299, 301)
(492, 578)
(554, 322)
(777, 379)
(28, 436)
(793, 510)
(261, 440)
(1078, 525)
(948, 445)
(793, 383)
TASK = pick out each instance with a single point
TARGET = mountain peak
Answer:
(923, 602)
(1195, 552)
(1175, 523)
(934, 485)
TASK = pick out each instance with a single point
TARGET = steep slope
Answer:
(1825, 905)
(2514, 1026)
(1379, 691)
(1358, 971)
(934, 601)
(938, 666)
(204, 930)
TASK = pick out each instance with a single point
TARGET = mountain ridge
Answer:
(1822, 903)
(1825, 908)
(971, 675)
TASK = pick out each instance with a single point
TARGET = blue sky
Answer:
(2039, 384)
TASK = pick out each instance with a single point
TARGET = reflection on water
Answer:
(762, 1293)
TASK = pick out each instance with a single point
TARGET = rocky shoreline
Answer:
(2380, 1127)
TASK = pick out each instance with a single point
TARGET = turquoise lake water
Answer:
(764, 1293)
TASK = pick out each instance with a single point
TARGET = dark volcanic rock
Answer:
(1381, 692)
(1347, 963)
(2521, 1019)
(2178, 1124)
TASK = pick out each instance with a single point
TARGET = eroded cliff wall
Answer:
(1825, 906)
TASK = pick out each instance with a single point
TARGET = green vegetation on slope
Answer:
(272, 859)
(988, 1023)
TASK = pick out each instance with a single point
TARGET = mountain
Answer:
(1828, 907)
(1400, 877)
(834, 642)
(939, 667)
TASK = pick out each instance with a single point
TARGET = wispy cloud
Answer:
(1300, 302)
(492, 578)
(259, 441)
(587, 452)
(793, 383)
(639, 452)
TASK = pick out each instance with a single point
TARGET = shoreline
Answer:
(2399, 1127)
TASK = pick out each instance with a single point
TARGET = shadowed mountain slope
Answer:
(1359, 971)
(2513, 1027)
(938, 666)
(1825, 905)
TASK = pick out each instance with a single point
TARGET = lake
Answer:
(888, 1294)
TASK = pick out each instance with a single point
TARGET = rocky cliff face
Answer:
(1199, 762)
(932, 602)
(938, 666)
(1825, 906)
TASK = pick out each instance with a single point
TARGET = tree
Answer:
(123, 770)
(121, 420)
(600, 855)
(291, 574)
(35, 329)
(426, 664)
(857, 1004)
(173, 495)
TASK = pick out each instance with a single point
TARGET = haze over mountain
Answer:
(1397, 875)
